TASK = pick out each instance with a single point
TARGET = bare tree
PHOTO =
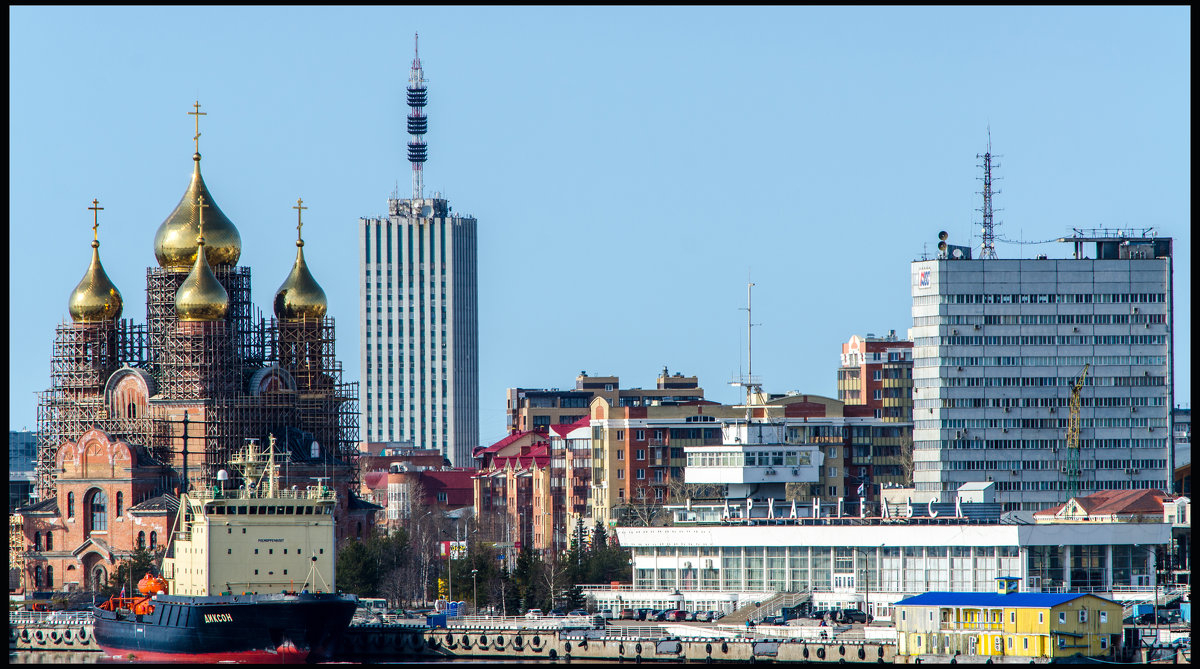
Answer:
(553, 576)
(679, 492)
(905, 460)
(643, 512)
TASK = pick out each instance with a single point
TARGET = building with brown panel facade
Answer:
(536, 409)
(876, 372)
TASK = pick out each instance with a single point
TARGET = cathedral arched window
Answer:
(37, 577)
(120, 503)
(49, 541)
(131, 410)
(70, 505)
(153, 540)
(141, 540)
(37, 541)
(49, 578)
(96, 509)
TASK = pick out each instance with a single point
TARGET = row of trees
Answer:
(397, 568)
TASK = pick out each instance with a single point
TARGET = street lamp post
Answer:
(450, 568)
(475, 590)
(867, 574)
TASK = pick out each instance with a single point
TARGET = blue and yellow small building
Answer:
(1006, 622)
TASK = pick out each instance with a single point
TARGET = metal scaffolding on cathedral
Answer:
(241, 376)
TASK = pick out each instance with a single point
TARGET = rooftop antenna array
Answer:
(749, 381)
(988, 247)
(418, 125)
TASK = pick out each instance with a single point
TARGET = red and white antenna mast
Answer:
(418, 125)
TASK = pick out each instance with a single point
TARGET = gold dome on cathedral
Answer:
(201, 297)
(175, 240)
(300, 297)
(96, 299)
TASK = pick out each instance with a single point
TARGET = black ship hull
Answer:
(274, 628)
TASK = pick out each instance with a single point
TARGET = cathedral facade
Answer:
(137, 412)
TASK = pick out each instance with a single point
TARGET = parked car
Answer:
(819, 614)
(706, 616)
(716, 615)
(1148, 619)
(533, 613)
(577, 612)
(847, 616)
(676, 616)
(689, 616)
(771, 620)
(645, 614)
(556, 613)
(628, 614)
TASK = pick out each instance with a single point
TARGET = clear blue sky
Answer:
(629, 167)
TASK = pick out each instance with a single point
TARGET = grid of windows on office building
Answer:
(888, 569)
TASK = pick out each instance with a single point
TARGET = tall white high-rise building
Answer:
(998, 345)
(419, 324)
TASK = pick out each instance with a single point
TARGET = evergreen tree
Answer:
(130, 571)
(599, 537)
(357, 571)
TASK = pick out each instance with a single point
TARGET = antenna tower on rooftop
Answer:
(418, 125)
(988, 248)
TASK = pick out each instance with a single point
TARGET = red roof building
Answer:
(1108, 506)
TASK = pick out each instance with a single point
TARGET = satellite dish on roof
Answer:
(316, 450)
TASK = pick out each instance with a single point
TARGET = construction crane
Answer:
(1072, 468)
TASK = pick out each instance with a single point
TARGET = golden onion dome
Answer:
(96, 299)
(201, 297)
(175, 241)
(300, 297)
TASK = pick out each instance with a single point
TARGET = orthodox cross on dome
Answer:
(200, 207)
(95, 209)
(197, 114)
(299, 220)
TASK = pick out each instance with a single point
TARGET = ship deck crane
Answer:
(1073, 465)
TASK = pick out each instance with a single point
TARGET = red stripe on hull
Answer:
(283, 655)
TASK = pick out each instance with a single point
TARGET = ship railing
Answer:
(308, 493)
(49, 618)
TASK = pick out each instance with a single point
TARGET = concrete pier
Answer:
(51, 632)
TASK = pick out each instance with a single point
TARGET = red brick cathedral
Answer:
(135, 409)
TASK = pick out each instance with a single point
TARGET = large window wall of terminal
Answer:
(826, 568)
(898, 569)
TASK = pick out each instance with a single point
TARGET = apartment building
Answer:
(503, 487)
(998, 345)
(539, 408)
(638, 453)
(876, 372)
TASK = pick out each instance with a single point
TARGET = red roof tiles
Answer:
(1116, 502)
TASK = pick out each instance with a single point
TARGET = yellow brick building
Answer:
(1045, 625)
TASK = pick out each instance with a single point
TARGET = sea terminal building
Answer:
(872, 562)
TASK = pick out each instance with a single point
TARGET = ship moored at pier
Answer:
(244, 577)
